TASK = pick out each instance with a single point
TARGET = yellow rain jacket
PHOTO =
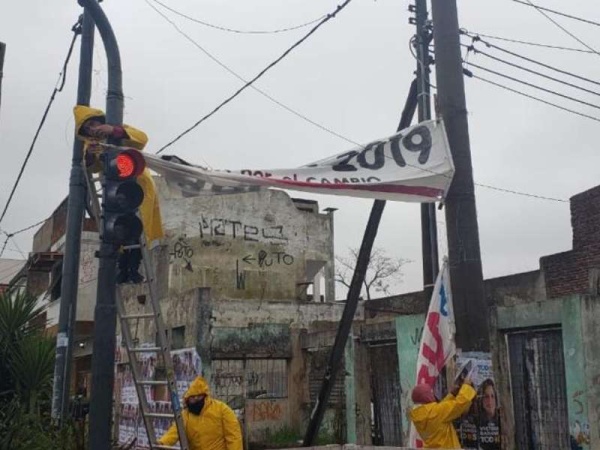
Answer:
(433, 421)
(215, 428)
(149, 209)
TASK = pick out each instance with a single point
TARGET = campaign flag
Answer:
(413, 165)
(437, 343)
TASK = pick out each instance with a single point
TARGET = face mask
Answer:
(195, 408)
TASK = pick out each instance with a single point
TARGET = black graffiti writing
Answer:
(240, 277)
(218, 227)
(416, 337)
(266, 259)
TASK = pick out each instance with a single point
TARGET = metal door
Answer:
(385, 389)
(537, 373)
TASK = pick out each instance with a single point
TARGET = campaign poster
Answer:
(479, 429)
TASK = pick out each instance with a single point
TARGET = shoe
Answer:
(122, 277)
(136, 278)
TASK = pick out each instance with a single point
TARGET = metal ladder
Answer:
(162, 349)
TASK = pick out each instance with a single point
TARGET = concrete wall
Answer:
(577, 317)
(254, 246)
(87, 286)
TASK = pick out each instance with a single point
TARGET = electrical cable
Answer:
(61, 80)
(562, 28)
(485, 80)
(260, 74)
(518, 41)
(232, 30)
(476, 38)
(260, 91)
(476, 51)
(591, 22)
(549, 91)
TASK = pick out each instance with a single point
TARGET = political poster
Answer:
(187, 366)
(479, 429)
(413, 165)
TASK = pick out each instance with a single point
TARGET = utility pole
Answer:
(428, 215)
(75, 214)
(2, 53)
(358, 278)
(105, 314)
(470, 305)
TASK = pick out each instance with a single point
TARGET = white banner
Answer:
(413, 165)
(437, 344)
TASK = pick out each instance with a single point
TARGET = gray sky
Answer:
(351, 76)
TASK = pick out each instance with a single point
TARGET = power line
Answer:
(550, 91)
(233, 30)
(260, 74)
(563, 28)
(62, 77)
(476, 38)
(591, 22)
(476, 51)
(518, 41)
(485, 80)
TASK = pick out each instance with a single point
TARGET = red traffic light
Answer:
(123, 164)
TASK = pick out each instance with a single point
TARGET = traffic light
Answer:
(122, 196)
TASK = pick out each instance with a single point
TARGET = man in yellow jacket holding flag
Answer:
(209, 423)
(90, 126)
(433, 419)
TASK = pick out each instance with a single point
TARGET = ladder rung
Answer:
(166, 447)
(145, 349)
(138, 316)
(131, 247)
(159, 415)
(153, 382)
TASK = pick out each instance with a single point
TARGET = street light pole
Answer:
(105, 314)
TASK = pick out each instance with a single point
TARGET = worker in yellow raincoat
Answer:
(90, 126)
(433, 419)
(209, 423)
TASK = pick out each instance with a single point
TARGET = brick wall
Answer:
(568, 272)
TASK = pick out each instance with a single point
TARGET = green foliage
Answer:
(20, 430)
(26, 371)
(283, 436)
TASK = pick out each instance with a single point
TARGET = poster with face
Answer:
(187, 366)
(479, 429)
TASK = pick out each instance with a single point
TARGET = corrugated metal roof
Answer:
(9, 268)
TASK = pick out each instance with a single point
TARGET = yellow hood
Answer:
(198, 387)
(83, 113)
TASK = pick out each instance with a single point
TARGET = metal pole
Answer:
(105, 314)
(75, 213)
(470, 306)
(428, 214)
(358, 278)
(2, 53)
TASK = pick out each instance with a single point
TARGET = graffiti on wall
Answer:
(265, 410)
(263, 260)
(182, 252)
(237, 229)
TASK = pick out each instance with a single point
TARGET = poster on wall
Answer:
(186, 364)
(479, 429)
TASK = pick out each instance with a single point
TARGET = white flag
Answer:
(437, 343)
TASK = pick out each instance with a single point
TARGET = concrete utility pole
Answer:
(105, 314)
(428, 214)
(470, 305)
(75, 214)
(358, 278)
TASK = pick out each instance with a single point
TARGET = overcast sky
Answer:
(351, 76)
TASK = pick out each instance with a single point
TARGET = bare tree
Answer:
(382, 271)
